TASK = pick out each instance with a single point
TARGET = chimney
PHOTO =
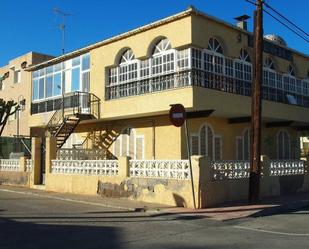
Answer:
(242, 21)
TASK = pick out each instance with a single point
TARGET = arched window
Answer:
(207, 141)
(243, 145)
(127, 57)
(289, 84)
(291, 70)
(127, 67)
(269, 80)
(161, 46)
(269, 64)
(214, 62)
(244, 56)
(214, 45)
(163, 60)
(283, 145)
(129, 144)
(243, 72)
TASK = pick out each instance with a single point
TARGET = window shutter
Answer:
(203, 140)
(124, 146)
(131, 144)
(139, 147)
(239, 148)
(246, 145)
(218, 146)
(117, 147)
(210, 142)
(194, 145)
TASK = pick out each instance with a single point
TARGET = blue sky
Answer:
(33, 26)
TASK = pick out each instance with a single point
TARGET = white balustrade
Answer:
(286, 167)
(163, 169)
(85, 167)
(230, 170)
(28, 165)
(9, 164)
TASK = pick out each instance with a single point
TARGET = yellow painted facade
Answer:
(147, 114)
(134, 122)
(19, 89)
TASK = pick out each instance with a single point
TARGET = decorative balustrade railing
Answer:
(287, 167)
(80, 154)
(201, 78)
(230, 170)
(149, 85)
(85, 167)
(29, 165)
(164, 169)
(9, 164)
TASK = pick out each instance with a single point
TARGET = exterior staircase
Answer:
(102, 140)
(72, 109)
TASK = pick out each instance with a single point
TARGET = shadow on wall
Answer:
(290, 184)
(202, 195)
(16, 235)
(179, 201)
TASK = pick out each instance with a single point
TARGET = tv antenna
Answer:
(62, 26)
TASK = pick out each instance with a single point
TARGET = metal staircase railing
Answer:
(102, 140)
(71, 109)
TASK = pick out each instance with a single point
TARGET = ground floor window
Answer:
(129, 144)
(206, 143)
(283, 145)
(243, 145)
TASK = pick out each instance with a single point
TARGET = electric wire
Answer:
(285, 18)
(281, 22)
(295, 32)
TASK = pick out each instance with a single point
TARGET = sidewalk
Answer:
(225, 212)
(269, 206)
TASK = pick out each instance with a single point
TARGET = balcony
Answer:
(79, 102)
(203, 79)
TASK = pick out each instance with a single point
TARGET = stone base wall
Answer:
(164, 191)
(14, 178)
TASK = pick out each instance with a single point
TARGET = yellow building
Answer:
(115, 95)
(15, 84)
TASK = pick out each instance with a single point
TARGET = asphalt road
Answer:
(37, 222)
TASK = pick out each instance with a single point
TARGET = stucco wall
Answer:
(20, 91)
(14, 178)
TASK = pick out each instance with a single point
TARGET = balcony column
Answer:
(190, 66)
(36, 159)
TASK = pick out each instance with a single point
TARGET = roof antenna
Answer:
(62, 26)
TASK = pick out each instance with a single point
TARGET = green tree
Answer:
(6, 109)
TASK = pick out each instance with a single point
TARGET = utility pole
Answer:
(256, 107)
